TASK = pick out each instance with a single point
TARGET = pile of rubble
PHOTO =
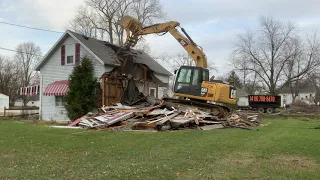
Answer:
(160, 118)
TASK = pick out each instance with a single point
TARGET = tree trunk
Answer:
(24, 100)
(110, 31)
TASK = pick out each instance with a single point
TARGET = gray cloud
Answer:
(53, 14)
(194, 11)
(213, 24)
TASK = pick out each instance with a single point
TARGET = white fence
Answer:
(20, 111)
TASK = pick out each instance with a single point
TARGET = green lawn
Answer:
(286, 149)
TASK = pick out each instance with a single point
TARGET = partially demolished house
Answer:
(150, 77)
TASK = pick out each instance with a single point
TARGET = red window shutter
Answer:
(77, 53)
(63, 55)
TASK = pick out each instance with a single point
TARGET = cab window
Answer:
(184, 76)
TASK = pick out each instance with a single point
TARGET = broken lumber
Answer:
(211, 127)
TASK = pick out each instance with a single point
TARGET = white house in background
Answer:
(32, 101)
(306, 94)
(59, 62)
(242, 98)
(4, 102)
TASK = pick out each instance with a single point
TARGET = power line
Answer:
(6, 49)
(19, 51)
(39, 29)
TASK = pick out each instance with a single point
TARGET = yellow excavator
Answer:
(192, 84)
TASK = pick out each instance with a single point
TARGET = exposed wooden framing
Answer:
(112, 88)
(145, 89)
(103, 90)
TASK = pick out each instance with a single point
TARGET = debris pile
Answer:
(161, 118)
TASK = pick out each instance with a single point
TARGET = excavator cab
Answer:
(193, 83)
(189, 80)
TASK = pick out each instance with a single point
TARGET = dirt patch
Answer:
(279, 161)
(241, 159)
(296, 162)
(299, 116)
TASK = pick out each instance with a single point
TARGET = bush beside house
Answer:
(80, 98)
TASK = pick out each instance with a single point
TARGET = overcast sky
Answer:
(213, 24)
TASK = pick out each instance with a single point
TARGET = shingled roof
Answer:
(105, 53)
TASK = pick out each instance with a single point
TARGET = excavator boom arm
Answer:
(134, 29)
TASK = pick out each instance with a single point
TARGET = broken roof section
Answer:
(105, 52)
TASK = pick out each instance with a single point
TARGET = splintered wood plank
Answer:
(211, 127)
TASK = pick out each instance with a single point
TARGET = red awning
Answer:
(57, 88)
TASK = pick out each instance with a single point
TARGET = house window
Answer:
(70, 53)
(152, 92)
(69, 59)
(60, 101)
(184, 76)
(306, 97)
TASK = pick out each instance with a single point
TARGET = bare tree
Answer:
(9, 78)
(180, 59)
(314, 78)
(304, 61)
(268, 52)
(35, 79)
(143, 46)
(82, 24)
(99, 18)
(27, 56)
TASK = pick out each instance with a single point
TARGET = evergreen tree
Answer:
(80, 98)
(235, 80)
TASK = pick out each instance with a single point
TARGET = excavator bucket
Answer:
(131, 24)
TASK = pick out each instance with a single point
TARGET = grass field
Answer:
(285, 149)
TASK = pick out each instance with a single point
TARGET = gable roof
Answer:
(97, 47)
(105, 53)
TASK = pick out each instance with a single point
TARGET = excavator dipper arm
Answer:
(134, 30)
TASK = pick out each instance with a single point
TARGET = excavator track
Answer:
(218, 110)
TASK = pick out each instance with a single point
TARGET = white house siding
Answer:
(168, 92)
(243, 101)
(305, 96)
(30, 103)
(146, 91)
(163, 78)
(4, 102)
(52, 71)
(162, 90)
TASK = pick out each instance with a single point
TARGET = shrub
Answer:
(80, 98)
